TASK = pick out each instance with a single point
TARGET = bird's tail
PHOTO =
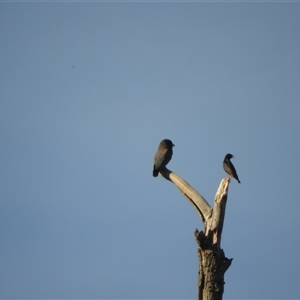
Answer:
(155, 172)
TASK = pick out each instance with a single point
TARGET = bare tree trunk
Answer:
(212, 261)
(212, 267)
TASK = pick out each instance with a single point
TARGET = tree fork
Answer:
(212, 261)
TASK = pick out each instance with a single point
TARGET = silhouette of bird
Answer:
(229, 167)
(162, 156)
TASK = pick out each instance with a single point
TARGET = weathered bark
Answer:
(212, 266)
(212, 261)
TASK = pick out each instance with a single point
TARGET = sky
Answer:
(87, 92)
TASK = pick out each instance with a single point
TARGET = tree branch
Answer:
(197, 201)
(215, 224)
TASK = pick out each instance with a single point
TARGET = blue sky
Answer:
(88, 90)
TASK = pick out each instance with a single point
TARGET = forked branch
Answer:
(212, 261)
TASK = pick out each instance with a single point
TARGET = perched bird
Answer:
(229, 168)
(162, 156)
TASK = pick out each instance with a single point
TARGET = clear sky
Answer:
(88, 90)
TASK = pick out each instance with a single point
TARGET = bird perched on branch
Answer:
(229, 167)
(162, 156)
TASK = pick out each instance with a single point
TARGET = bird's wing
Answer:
(159, 158)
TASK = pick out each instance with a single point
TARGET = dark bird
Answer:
(229, 167)
(162, 156)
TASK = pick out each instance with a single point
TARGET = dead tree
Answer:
(212, 261)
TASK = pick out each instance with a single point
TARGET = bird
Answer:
(162, 156)
(229, 167)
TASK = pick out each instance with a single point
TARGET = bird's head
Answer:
(168, 143)
(229, 156)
